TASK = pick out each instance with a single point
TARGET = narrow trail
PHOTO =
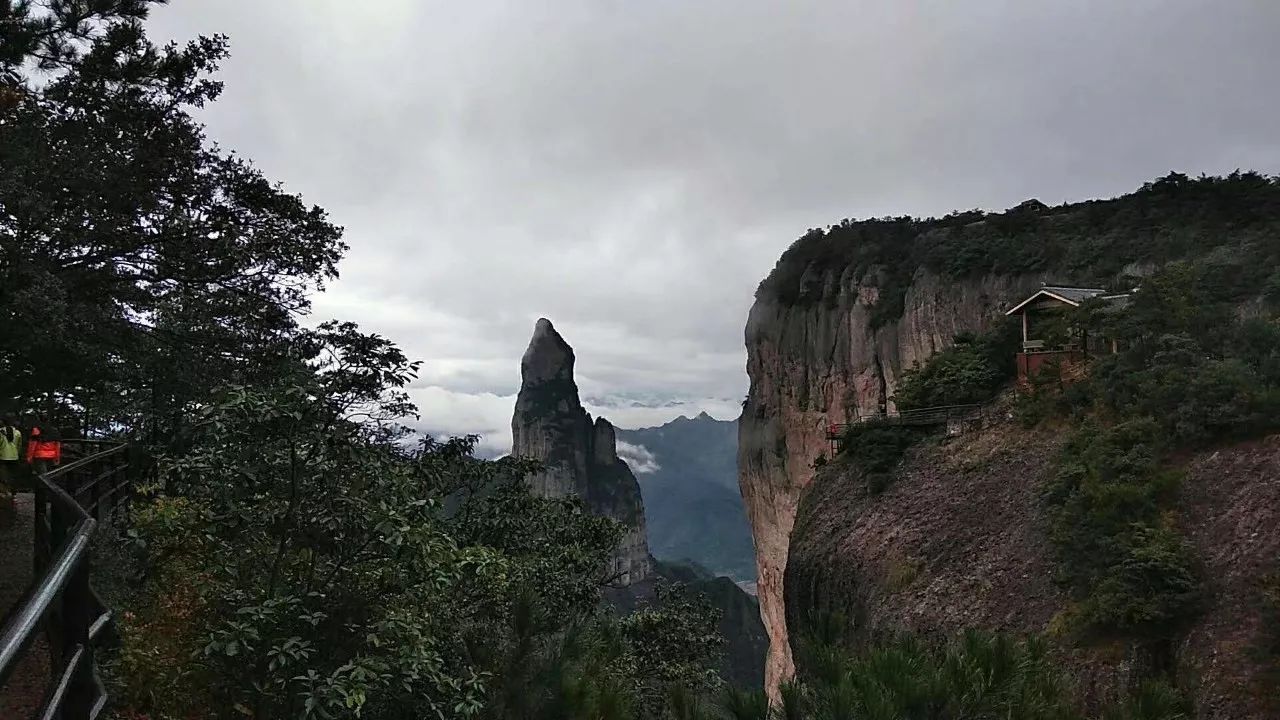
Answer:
(21, 696)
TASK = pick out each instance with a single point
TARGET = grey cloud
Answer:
(632, 170)
(641, 460)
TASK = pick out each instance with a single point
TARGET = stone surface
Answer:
(579, 456)
(824, 362)
(957, 541)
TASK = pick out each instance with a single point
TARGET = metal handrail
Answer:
(22, 627)
(924, 416)
(76, 693)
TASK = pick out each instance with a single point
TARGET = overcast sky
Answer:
(631, 170)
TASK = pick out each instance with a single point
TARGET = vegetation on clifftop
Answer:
(972, 370)
(1093, 242)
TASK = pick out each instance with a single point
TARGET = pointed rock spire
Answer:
(579, 458)
(548, 356)
(605, 443)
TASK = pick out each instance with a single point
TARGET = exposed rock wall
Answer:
(957, 541)
(820, 362)
(579, 456)
(848, 308)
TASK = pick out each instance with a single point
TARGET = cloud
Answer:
(638, 457)
(633, 170)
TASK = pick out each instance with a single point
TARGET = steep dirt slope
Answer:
(958, 541)
(1231, 506)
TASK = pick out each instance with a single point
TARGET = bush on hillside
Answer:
(972, 370)
(975, 674)
(1130, 570)
(876, 448)
(1187, 357)
(1191, 371)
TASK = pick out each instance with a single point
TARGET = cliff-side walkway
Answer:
(21, 696)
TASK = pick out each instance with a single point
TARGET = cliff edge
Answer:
(848, 308)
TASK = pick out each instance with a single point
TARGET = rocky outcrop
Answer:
(848, 308)
(825, 362)
(579, 457)
(957, 541)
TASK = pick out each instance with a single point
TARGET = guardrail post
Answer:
(59, 528)
(78, 613)
(43, 547)
(96, 492)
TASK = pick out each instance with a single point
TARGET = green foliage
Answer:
(160, 267)
(1188, 359)
(1093, 242)
(298, 558)
(1153, 700)
(54, 33)
(1191, 371)
(1117, 546)
(973, 675)
(745, 705)
(311, 567)
(876, 448)
(972, 370)
(674, 643)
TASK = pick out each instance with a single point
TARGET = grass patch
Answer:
(901, 573)
(972, 675)
(876, 449)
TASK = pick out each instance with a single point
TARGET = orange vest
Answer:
(38, 449)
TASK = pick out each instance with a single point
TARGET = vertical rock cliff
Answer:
(579, 456)
(847, 309)
(823, 360)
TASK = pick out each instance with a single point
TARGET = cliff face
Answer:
(848, 308)
(825, 362)
(957, 541)
(579, 456)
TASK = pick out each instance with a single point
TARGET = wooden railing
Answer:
(69, 502)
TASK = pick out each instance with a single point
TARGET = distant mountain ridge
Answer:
(687, 470)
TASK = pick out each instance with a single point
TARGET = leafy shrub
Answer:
(1153, 700)
(1153, 585)
(1190, 372)
(972, 370)
(973, 675)
(1188, 359)
(876, 448)
(1129, 568)
(313, 567)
